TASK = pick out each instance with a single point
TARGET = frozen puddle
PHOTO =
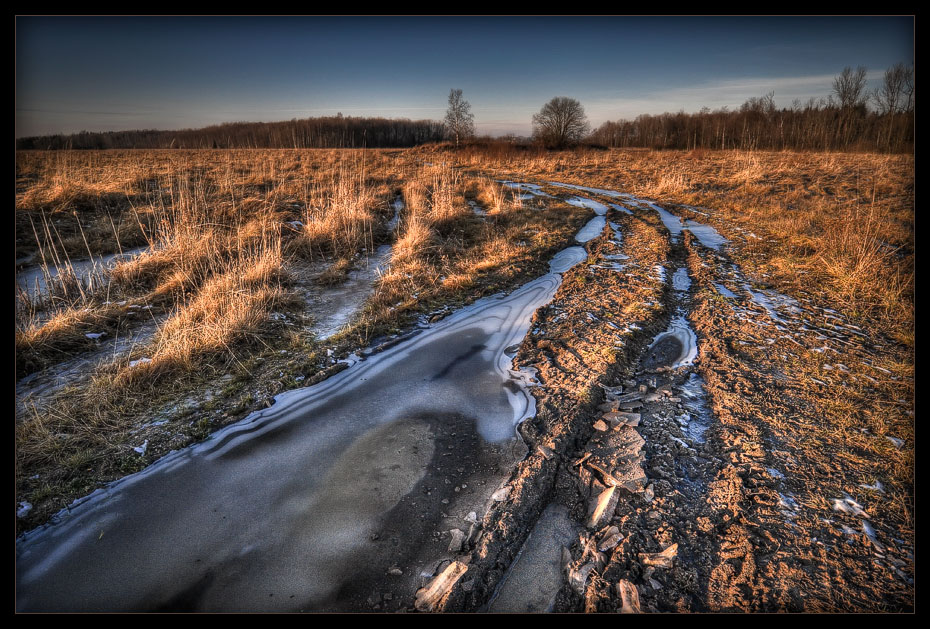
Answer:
(395, 220)
(606, 193)
(592, 229)
(706, 234)
(771, 301)
(699, 417)
(34, 280)
(599, 208)
(334, 307)
(530, 188)
(674, 348)
(620, 208)
(681, 281)
(307, 504)
(476, 208)
(534, 578)
(723, 290)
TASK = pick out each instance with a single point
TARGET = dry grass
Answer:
(847, 220)
(223, 229)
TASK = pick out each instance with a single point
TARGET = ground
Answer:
(769, 470)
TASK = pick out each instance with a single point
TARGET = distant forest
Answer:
(325, 132)
(816, 126)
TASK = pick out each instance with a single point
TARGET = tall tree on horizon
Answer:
(459, 119)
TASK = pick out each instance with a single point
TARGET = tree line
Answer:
(849, 119)
(323, 132)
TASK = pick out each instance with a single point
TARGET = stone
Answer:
(458, 536)
(602, 509)
(660, 560)
(430, 597)
(629, 597)
(601, 426)
(611, 539)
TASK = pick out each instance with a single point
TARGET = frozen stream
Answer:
(305, 504)
(33, 280)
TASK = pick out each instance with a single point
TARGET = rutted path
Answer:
(661, 462)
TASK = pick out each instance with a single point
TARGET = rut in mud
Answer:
(665, 472)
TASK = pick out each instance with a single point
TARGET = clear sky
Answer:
(100, 74)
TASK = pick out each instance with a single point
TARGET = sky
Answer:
(118, 73)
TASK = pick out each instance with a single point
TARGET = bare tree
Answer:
(849, 88)
(897, 91)
(459, 120)
(560, 122)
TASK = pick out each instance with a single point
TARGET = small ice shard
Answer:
(848, 530)
(876, 487)
(894, 440)
(141, 449)
(140, 361)
(95, 335)
(471, 517)
(24, 509)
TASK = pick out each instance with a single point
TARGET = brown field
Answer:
(238, 238)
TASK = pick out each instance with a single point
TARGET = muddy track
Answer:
(678, 487)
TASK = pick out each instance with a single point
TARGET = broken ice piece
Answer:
(141, 449)
(24, 509)
(876, 487)
(140, 361)
(95, 335)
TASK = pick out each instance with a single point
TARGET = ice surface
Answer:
(680, 280)
(599, 208)
(285, 501)
(706, 234)
(591, 230)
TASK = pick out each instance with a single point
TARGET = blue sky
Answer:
(102, 74)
